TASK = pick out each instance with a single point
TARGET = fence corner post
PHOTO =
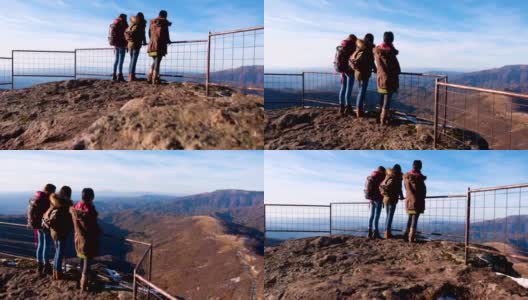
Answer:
(134, 286)
(468, 221)
(12, 69)
(208, 68)
(435, 132)
(303, 89)
(75, 64)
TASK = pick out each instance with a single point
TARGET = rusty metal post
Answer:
(330, 219)
(134, 287)
(302, 91)
(208, 70)
(150, 268)
(468, 221)
(12, 69)
(445, 105)
(437, 94)
(75, 64)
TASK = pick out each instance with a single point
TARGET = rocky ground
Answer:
(323, 128)
(101, 114)
(21, 281)
(347, 267)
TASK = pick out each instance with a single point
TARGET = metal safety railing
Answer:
(496, 217)
(232, 58)
(18, 244)
(500, 117)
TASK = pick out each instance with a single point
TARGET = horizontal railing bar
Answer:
(44, 51)
(476, 89)
(301, 231)
(46, 76)
(503, 187)
(9, 58)
(294, 205)
(188, 42)
(237, 30)
(15, 224)
(366, 202)
(5, 83)
(283, 74)
(156, 288)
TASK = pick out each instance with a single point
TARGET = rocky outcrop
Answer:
(324, 129)
(347, 267)
(98, 114)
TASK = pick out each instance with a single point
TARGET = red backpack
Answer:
(113, 33)
(369, 188)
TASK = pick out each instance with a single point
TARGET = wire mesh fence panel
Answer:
(499, 219)
(444, 217)
(321, 89)
(500, 119)
(5, 73)
(32, 67)
(97, 62)
(283, 90)
(350, 218)
(186, 60)
(297, 218)
(18, 240)
(237, 59)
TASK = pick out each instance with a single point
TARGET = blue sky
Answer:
(162, 172)
(321, 177)
(455, 35)
(70, 24)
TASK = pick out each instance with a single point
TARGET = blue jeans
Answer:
(134, 55)
(43, 246)
(119, 59)
(375, 213)
(347, 84)
(389, 209)
(59, 255)
(362, 94)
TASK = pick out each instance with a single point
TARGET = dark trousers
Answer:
(86, 263)
(156, 63)
(412, 222)
(385, 100)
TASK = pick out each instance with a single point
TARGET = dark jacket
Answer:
(378, 179)
(121, 27)
(391, 187)
(87, 230)
(39, 204)
(136, 33)
(362, 61)
(415, 191)
(159, 37)
(349, 48)
(388, 68)
(61, 225)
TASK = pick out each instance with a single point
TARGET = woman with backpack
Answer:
(159, 40)
(59, 221)
(362, 61)
(118, 40)
(416, 192)
(87, 232)
(373, 194)
(38, 205)
(391, 190)
(388, 74)
(136, 37)
(344, 52)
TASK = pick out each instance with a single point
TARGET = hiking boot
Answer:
(359, 113)
(376, 234)
(84, 283)
(40, 268)
(341, 109)
(130, 77)
(386, 235)
(60, 275)
(412, 236)
(114, 77)
(383, 116)
(370, 234)
(348, 110)
(47, 269)
(120, 77)
(134, 78)
(54, 276)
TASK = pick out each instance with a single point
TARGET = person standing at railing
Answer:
(59, 221)
(391, 190)
(362, 61)
(38, 205)
(136, 37)
(87, 233)
(388, 74)
(416, 192)
(372, 193)
(116, 38)
(159, 41)
(341, 65)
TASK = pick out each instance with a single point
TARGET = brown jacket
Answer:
(391, 187)
(136, 33)
(61, 225)
(159, 36)
(87, 230)
(388, 67)
(362, 61)
(416, 191)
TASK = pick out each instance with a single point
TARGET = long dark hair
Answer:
(65, 192)
(141, 16)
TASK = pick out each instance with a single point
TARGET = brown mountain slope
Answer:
(510, 78)
(197, 257)
(98, 114)
(346, 267)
